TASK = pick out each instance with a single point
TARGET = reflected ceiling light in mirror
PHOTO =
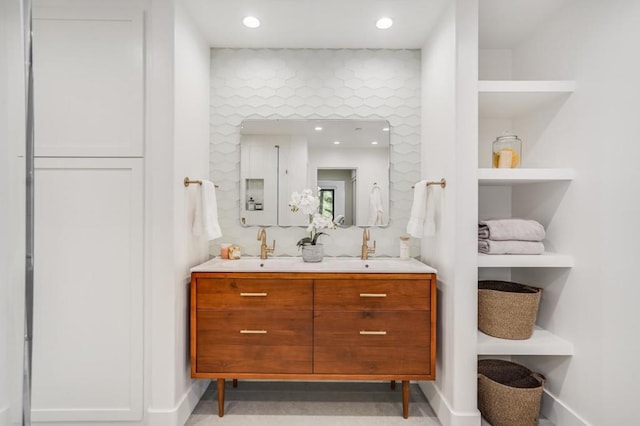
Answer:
(251, 22)
(336, 142)
(385, 129)
(318, 128)
(374, 142)
(384, 23)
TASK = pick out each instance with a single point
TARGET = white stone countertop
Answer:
(328, 264)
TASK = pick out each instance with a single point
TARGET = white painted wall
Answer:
(594, 305)
(178, 87)
(449, 102)
(191, 150)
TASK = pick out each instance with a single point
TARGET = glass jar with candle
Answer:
(506, 152)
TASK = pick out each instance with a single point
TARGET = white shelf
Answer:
(544, 260)
(522, 176)
(543, 342)
(511, 99)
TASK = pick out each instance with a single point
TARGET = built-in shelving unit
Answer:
(522, 176)
(544, 260)
(510, 99)
(513, 100)
(542, 342)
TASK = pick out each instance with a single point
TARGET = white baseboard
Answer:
(446, 415)
(558, 412)
(4, 416)
(179, 415)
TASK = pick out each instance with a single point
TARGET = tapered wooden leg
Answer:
(405, 399)
(235, 383)
(393, 384)
(220, 397)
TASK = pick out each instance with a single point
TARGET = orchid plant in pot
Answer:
(307, 203)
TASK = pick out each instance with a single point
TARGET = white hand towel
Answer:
(376, 211)
(205, 222)
(415, 226)
(430, 214)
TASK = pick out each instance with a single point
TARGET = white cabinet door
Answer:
(88, 301)
(88, 80)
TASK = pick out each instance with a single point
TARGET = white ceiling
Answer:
(316, 23)
(351, 23)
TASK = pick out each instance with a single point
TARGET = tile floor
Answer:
(313, 404)
(290, 403)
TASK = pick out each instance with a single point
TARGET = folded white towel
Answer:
(511, 229)
(510, 247)
(376, 212)
(205, 222)
(415, 226)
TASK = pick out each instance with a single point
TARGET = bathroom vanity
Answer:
(340, 319)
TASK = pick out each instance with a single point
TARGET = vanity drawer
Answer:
(366, 360)
(266, 328)
(252, 293)
(372, 343)
(373, 294)
(372, 328)
(254, 342)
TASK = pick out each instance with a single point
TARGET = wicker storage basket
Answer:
(509, 394)
(507, 310)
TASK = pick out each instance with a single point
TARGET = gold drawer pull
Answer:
(373, 294)
(253, 331)
(253, 294)
(372, 333)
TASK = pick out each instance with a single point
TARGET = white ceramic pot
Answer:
(312, 253)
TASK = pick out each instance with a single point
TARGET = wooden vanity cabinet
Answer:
(313, 326)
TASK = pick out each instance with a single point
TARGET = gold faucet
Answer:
(365, 247)
(264, 250)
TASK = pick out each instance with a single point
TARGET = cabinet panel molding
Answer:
(88, 295)
(89, 85)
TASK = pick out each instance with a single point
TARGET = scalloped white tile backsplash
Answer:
(315, 83)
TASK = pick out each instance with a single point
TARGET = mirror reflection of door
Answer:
(339, 182)
(326, 202)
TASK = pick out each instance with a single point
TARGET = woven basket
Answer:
(507, 310)
(509, 394)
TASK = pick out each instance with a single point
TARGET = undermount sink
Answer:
(328, 264)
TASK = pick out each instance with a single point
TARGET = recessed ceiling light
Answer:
(374, 142)
(384, 23)
(336, 142)
(251, 22)
(385, 129)
(318, 128)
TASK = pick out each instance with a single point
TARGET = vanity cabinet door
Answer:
(371, 342)
(254, 341)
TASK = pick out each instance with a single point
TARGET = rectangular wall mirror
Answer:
(347, 160)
